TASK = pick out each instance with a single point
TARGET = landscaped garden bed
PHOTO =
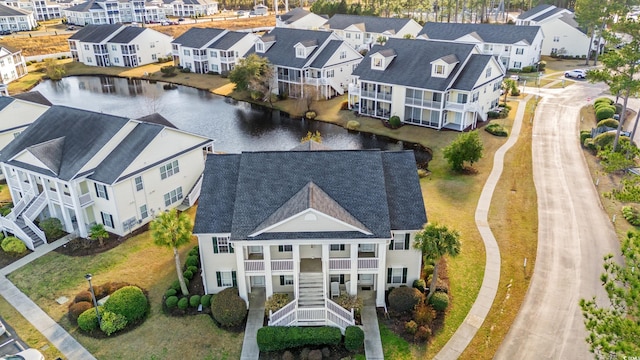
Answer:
(312, 343)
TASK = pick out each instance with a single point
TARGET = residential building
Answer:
(562, 34)
(42, 9)
(191, 7)
(14, 19)
(206, 50)
(435, 84)
(118, 45)
(84, 167)
(310, 223)
(307, 60)
(96, 12)
(16, 115)
(361, 32)
(514, 46)
(12, 64)
(299, 18)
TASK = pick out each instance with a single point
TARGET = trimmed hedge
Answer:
(88, 321)
(194, 301)
(631, 214)
(605, 112)
(496, 129)
(183, 303)
(404, 298)
(606, 139)
(170, 292)
(612, 123)
(277, 338)
(171, 302)
(584, 134)
(13, 246)
(353, 338)
(194, 260)
(188, 275)
(228, 308)
(602, 100)
(419, 284)
(439, 301)
(52, 228)
(129, 302)
(205, 300)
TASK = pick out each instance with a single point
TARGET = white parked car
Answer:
(29, 354)
(576, 73)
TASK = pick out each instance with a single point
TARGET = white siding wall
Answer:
(214, 262)
(16, 117)
(571, 39)
(161, 46)
(410, 259)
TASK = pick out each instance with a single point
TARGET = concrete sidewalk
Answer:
(478, 313)
(61, 339)
(372, 341)
(255, 319)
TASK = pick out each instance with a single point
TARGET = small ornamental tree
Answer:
(97, 232)
(172, 229)
(436, 241)
(467, 147)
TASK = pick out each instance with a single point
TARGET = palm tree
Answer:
(436, 241)
(97, 232)
(172, 229)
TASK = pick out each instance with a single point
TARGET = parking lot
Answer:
(10, 343)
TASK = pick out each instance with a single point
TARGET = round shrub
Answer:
(183, 303)
(101, 291)
(228, 308)
(83, 296)
(394, 121)
(605, 112)
(205, 300)
(439, 301)
(88, 321)
(76, 309)
(631, 214)
(606, 139)
(13, 246)
(170, 292)
(419, 284)
(112, 322)
(410, 327)
(193, 269)
(353, 125)
(353, 338)
(192, 261)
(604, 100)
(404, 299)
(194, 301)
(52, 228)
(496, 129)
(188, 275)
(171, 302)
(195, 251)
(612, 123)
(602, 105)
(129, 302)
(584, 134)
(589, 144)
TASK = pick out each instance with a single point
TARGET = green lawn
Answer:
(139, 262)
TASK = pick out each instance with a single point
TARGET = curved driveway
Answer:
(574, 233)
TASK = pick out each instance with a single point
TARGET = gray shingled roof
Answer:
(127, 150)
(570, 20)
(534, 11)
(283, 53)
(372, 24)
(197, 37)
(471, 72)
(242, 192)
(547, 14)
(326, 54)
(10, 49)
(294, 15)
(127, 34)
(84, 7)
(34, 97)
(84, 133)
(227, 40)
(156, 118)
(489, 33)
(310, 145)
(95, 33)
(6, 10)
(412, 65)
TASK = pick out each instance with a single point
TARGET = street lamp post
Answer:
(93, 297)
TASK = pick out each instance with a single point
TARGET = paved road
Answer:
(573, 234)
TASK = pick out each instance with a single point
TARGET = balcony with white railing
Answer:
(228, 59)
(450, 105)
(251, 266)
(85, 199)
(340, 264)
(282, 265)
(354, 89)
(367, 263)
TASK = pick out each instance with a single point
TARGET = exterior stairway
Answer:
(35, 238)
(310, 290)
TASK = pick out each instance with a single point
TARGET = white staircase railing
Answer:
(338, 315)
(286, 316)
(194, 194)
(36, 230)
(36, 207)
(12, 227)
(19, 207)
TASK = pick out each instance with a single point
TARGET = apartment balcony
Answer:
(461, 107)
(367, 263)
(85, 199)
(228, 59)
(199, 57)
(354, 89)
(376, 95)
(316, 81)
(257, 266)
(422, 103)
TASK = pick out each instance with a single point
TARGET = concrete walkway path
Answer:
(478, 313)
(255, 319)
(61, 339)
(372, 341)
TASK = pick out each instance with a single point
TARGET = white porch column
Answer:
(33, 183)
(77, 209)
(325, 269)
(68, 225)
(268, 278)
(241, 277)
(7, 174)
(353, 272)
(295, 255)
(20, 183)
(382, 274)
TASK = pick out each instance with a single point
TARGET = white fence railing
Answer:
(367, 263)
(281, 265)
(36, 207)
(253, 265)
(194, 194)
(340, 264)
(85, 199)
(285, 316)
(12, 227)
(311, 314)
(330, 314)
(34, 228)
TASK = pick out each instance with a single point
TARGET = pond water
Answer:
(235, 126)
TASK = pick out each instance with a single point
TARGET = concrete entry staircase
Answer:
(311, 289)
(33, 236)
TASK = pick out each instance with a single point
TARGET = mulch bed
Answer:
(336, 353)
(84, 247)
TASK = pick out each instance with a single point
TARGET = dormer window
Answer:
(439, 70)
(301, 52)
(377, 63)
(260, 47)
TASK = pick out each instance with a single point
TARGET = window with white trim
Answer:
(519, 51)
(173, 196)
(144, 213)
(187, 52)
(396, 275)
(286, 280)
(336, 247)
(169, 169)
(400, 242)
(517, 64)
(221, 245)
(138, 181)
(107, 219)
(101, 191)
(301, 52)
(226, 278)
(488, 73)
(439, 69)
(285, 248)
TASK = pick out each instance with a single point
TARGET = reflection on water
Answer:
(235, 126)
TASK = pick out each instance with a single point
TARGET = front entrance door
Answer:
(257, 281)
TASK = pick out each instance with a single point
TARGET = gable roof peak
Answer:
(49, 153)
